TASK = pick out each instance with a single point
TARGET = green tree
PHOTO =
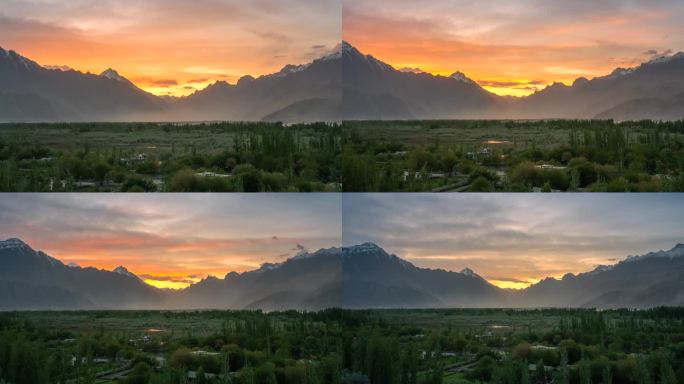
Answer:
(607, 375)
(584, 372)
(667, 374)
(481, 184)
(141, 374)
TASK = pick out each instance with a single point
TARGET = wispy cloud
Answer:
(157, 39)
(523, 237)
(513, 41)
(172, 236)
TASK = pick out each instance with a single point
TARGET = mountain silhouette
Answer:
(359, 276)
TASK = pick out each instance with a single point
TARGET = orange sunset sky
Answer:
(515, 47)
(173, 240)
(171, 47)
(175, 47)
(512, 240)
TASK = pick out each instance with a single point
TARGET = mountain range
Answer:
(30, 92)
(344, 84)
(360, 276)
(374, 90)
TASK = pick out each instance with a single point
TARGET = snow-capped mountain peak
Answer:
(469, 272)
(676, 251)
(268, 267)
(620, 72)
(61, 68)
(600, 269)
(334, 54)
(666, 58)
(363, 248)
(121, 270)
(303, 254)
(291, 68)
(345, 46)
(346, 50)
(12, 243)
(411, 70)
(18, 60)
(113, 75)
(460, 76)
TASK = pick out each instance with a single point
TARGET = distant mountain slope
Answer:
(307, 281)
(610, 96)
(344, 84)
(309, 92)
(30, 92)
(31, 279)
(645, 108)
(373, 90)
(298, 93)
(361, 276)
(372, 278)
(654, 279)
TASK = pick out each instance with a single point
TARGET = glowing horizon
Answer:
(172, 240)
(514, 240)
(515, 49)
(511, 240)
(171, 47)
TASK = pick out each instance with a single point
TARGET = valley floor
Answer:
(514, 156)
(169, 157)
(356, 156)
(341, 346)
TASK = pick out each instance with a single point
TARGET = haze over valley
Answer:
(360, 276)
(280, 251)
(342, 84)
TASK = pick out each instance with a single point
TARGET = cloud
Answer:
(155, 82)
(175, 279)
(519, 236)
(509, 279)
(301, 250)
(654, 54)
(199, 81)
(500, 40)
(495, 83)
(170, 234)
(159, 38)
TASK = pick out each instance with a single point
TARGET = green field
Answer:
(515, 156)
(446, 346)
(219, 157)
(439, 156)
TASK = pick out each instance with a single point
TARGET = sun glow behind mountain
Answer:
(172, 241)
(513, 240)
(513, 284)
(172, 47)
(179, 282)
(515, 48)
